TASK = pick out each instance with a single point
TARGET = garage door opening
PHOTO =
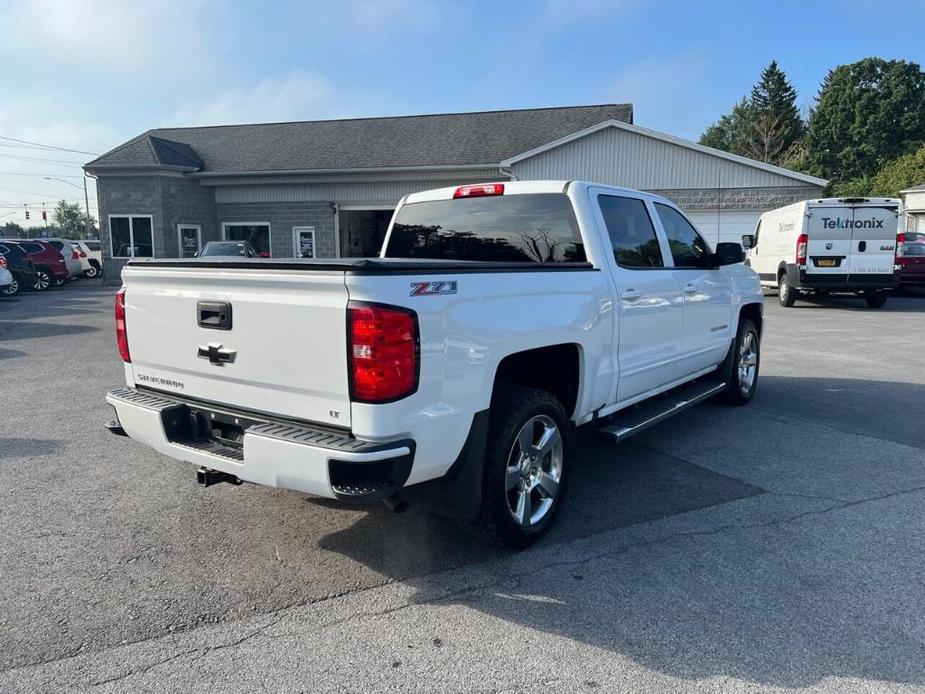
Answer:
(362, 232)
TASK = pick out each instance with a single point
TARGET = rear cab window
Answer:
(527, 228)
(632, 235)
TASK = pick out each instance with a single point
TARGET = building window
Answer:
(257, 233)
(190, 240)
(303, 242)
(131, 236)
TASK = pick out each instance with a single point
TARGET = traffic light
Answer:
(27, 214)
(44, 216)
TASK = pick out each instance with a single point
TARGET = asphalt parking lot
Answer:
(775, 546)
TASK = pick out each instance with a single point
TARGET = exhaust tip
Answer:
(396, 503)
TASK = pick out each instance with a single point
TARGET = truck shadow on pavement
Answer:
(26, 330)
(784, 601)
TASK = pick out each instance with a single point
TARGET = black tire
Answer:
(876, 299)
(786, 294)
(93, 272)
(740, 389)
(14, 288)
(512, 409)
(59, 282)
(43, 279)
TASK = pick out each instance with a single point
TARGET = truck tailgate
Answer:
(284, 353)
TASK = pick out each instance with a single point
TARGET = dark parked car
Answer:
(913, 265)
(20, 266)
(50, 265)
(228, 249)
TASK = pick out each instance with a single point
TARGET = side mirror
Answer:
(729, 253)
(748, 241)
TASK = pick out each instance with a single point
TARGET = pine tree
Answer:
(766, 126)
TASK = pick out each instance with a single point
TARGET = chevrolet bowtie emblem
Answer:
(216, 355)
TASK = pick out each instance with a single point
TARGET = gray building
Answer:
(327, 188)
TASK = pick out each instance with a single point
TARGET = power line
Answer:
(17, 173)
(44, 146)
(53, 161)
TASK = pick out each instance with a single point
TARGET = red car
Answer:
(50, 267)
(913, 265)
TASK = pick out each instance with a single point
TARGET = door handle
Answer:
(631, 295)
(689, 288)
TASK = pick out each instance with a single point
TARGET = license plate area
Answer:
(827, 261)
(189, 424)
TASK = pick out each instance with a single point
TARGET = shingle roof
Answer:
(436, 140)
(915, 189)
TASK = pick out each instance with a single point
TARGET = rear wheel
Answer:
(742, 374)
(12, 289)
(93, 272)
(876, 299)
(43, 280)
(59, 281)
(525, 464)
(786, 294)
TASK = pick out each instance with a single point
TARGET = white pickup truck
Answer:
(452, 369)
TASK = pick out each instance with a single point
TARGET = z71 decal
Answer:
(433, 288)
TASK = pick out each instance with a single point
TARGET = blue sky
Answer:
(89, 75)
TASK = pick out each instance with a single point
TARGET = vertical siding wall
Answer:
(634, 160)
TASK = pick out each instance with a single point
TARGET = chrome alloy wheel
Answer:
(748, 362)
(534, 470)
(42, 281)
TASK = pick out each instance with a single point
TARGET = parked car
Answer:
(19, 263)
(50, 266)
(912, 262)
(71, 256)
(6, 277)
(830, 246)
(91, 259)
(452, 369)
(228, 249)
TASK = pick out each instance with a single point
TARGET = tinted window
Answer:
(257, 235)
(631, 232)
(538, 228)
(687, 246)
(914, 249)
(57, 244)
(33, 247)
(93, 245)
(121, 236)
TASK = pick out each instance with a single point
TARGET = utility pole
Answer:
(87, 209)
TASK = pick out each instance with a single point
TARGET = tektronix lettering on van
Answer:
(832, 245)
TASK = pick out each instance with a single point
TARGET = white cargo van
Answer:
(831, 245)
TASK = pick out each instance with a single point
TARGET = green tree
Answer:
(71, 221)
(866, 114)
(12, 230)
(765, 126)
(730, 131)
(899, 174)
(775, 123)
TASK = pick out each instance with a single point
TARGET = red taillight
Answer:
(75, 255)
(801, 249)
(382, 352)
(121, 334)
(479, 191)
(82, 254)
(3, 262)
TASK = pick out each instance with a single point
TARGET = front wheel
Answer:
(785, 293)
(742, 377)
(525, 464)
(875, 299)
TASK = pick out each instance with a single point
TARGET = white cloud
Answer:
(58, 37)
(298, 95)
